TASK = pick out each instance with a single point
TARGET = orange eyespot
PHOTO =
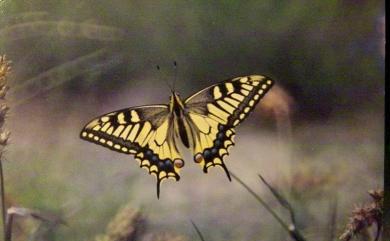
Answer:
(199, 158)
(178, 163)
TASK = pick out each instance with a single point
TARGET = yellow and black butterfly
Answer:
(204, 122)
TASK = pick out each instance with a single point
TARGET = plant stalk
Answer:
(2, 193)
(293, 232)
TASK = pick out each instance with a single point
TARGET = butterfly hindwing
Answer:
(146, 132)
(215, 111)
(211, 141)
(205, 122)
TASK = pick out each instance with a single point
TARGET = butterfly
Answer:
(204, 122)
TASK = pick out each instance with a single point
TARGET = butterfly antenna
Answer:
(174, 81)
(165, 81)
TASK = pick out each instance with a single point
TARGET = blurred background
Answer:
(317, 136)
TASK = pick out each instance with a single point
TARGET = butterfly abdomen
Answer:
(204, 122)
(183, 132)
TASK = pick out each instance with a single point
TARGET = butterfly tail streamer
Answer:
(227, 172)
(158, 188)
(205, 122)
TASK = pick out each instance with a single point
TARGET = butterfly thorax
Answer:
(176, 105)
(177, 110)
(205, 122)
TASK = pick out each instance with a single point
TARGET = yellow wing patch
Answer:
(215, 112)
(144, 132)
(212, 145)
(207, 117)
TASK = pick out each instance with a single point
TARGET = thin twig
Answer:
(2, 193)
(333, 219)
(197, 231)
(8, 227)
(258, 198)
(280, 199)
(291, 229)
(378, 231)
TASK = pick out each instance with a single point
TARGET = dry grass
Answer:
(366, 216)
(130, 225)
(5, 68)
(61, 172)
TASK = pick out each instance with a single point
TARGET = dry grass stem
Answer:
(198, 232)
(5, 68)
(48, 221)
(366, 216)
(128, 225)
(290, 228)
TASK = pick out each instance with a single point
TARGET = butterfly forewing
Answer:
(208, 118)
(145, 132)
(215, 111)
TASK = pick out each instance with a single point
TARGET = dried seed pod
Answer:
(4, 136)
(3, 91)
(365, 216)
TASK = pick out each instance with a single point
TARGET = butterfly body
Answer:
(178, 111)
(205, 122)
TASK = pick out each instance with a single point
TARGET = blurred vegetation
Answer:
(326, 52)
(73, 59)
